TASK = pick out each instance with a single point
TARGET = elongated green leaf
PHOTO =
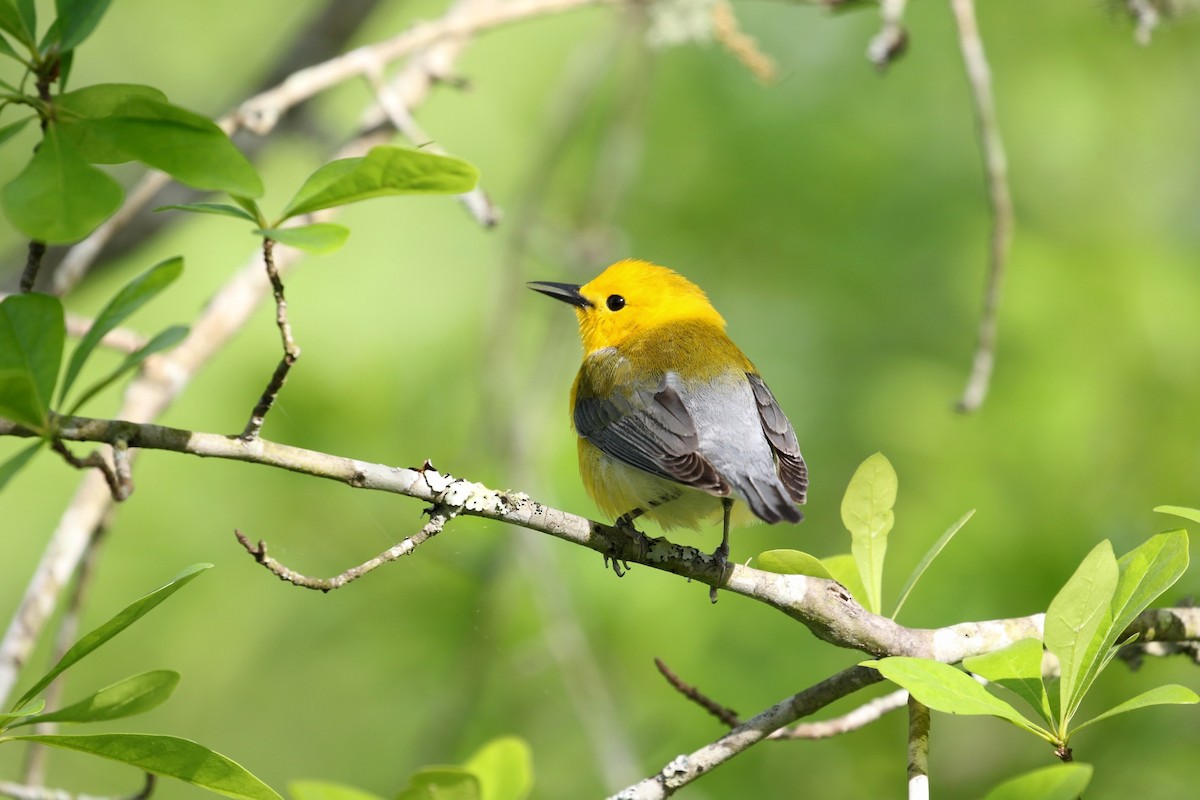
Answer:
(220, 209)
(75, 111)
(1192, 514)
(442, 783)
(867, 514)
(322, 790)
(320, 237)
(950, 690)
(385, 170)
(35, 707)
(164, 340)
(1077, 621)
(185, 145)
(32, 333)
(59, 198)
(251, 208)
(504, 767)
(77, 19)
(792, 562)
(1017, 668)
(928, 558)
(168, 756)
(844, 570)
(135, 695)
(1059, 782)
(13, 128)
(17, 17)
(129, 299)
(7, 50)
(124, 618)
(1171, 694)
(13, 465)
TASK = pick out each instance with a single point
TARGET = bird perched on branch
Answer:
(674, 422)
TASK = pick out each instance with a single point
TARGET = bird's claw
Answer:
(720, 557)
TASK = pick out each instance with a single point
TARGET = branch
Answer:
(996, 171)
(291, 350)
(18, 791)
(860, 717)
(726, 715)
(918, 750)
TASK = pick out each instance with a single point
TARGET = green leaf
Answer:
(59, 197)
(1058, 782)
(442, 783)
(32, 333)
(19, 18)
(1192, 514)
(77, 19)
(35, 707)
(12, 466)
(385, 170)
(928, 558)
(13, 128)
(75, 111)
(251, 208)
(7, 49)
(504, 767)
(129, 299)
(792, 562)
(1017, 668)
(168, 756)
(844, 570)
(135, 695)
(1171, 694)
(867, 514)
(185, 145)
(220, 209)
(165, 340)
(1077, 621)
(322, 790)
(949, 689)
(320, 237)
(124, 618)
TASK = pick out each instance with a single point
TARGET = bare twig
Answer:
(686, 768)
(94, 460)
(995, 165)
(727, 715)
(742, 46)
(860, 717)
(33, 263)
(439, 515)
(892, 39)
(291, 350)
(918, 750)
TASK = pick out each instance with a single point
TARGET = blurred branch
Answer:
(18, 791)
(918, 750)
(892, 39)
(860, 717)
(996, 172)
(742, 46)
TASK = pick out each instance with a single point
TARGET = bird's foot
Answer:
(720, 557)
(624, 524)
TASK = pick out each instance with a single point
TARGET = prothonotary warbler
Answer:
(674, 422)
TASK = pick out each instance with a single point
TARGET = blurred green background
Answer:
(837, 219)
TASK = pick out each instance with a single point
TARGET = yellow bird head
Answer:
(628, 299)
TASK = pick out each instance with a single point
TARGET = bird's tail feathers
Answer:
(768, 499)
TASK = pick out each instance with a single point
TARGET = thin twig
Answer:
(94, 460)
(33, 263)
(995, 165)
(860, 717)
(727, 715)
(291, 351)
(918, 750)
(740, 45)
(438, 517)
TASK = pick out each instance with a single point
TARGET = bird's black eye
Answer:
(615, 302)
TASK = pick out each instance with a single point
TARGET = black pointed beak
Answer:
(567, 292)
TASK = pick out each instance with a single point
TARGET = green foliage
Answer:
(32, 332)
(319, 237)
(867, 514)
(167, 756)
(1082, 626)
(792, 562)
(502, 769)
(1180, 511)
(1057, 782)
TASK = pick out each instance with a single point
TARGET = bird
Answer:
(674, 422)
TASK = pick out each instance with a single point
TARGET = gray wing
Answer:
(790, 464)
(650, 429)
